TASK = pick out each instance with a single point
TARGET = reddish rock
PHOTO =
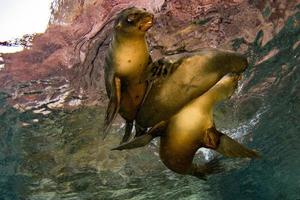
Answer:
(68, 57)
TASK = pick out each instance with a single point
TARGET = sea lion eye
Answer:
(131, 18)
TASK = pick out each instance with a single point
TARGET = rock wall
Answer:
(64, 66)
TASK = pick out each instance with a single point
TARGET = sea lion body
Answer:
(194, 74)
(129, 64)
(192, 128)
(189, 129)
(126, 63)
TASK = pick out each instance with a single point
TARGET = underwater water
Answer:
(62, 155)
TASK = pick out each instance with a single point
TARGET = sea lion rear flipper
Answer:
(128, 131)
(113, 106)
(135, 143)
(231, 148)
(145, 139)
(139, 130)
(228, 146)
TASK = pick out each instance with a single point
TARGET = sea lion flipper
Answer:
(149, 83)
(225, 145)
(128, 131)
(145, 139)
(231, 148)
(139, 130)
(113, 106)
(136, 142)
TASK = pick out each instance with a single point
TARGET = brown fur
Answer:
(126, 60)
(192, 128)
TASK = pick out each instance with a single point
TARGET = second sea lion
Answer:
(192, 128)
(178, 79)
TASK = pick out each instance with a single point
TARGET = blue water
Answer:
(62, 156)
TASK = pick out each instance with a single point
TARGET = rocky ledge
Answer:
(64, 66)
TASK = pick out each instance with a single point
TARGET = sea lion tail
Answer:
(231, 148)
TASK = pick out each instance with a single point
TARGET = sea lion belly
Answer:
(177, 153)
(131, 99)
(131, 59)
(189, 129)
(182, 138)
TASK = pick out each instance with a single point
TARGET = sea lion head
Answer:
(228, 84)
(134, 21)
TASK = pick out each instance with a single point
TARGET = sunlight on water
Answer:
(18, 18)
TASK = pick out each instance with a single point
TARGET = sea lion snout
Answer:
(238, 62)
(229, 83)
(147, 22)
(234, 76)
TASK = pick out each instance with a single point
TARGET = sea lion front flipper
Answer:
(145, 139)
(113, 106)
(227, 146)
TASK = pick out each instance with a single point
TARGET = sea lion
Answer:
(192, 128)
(178, 79)
(125, 63)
